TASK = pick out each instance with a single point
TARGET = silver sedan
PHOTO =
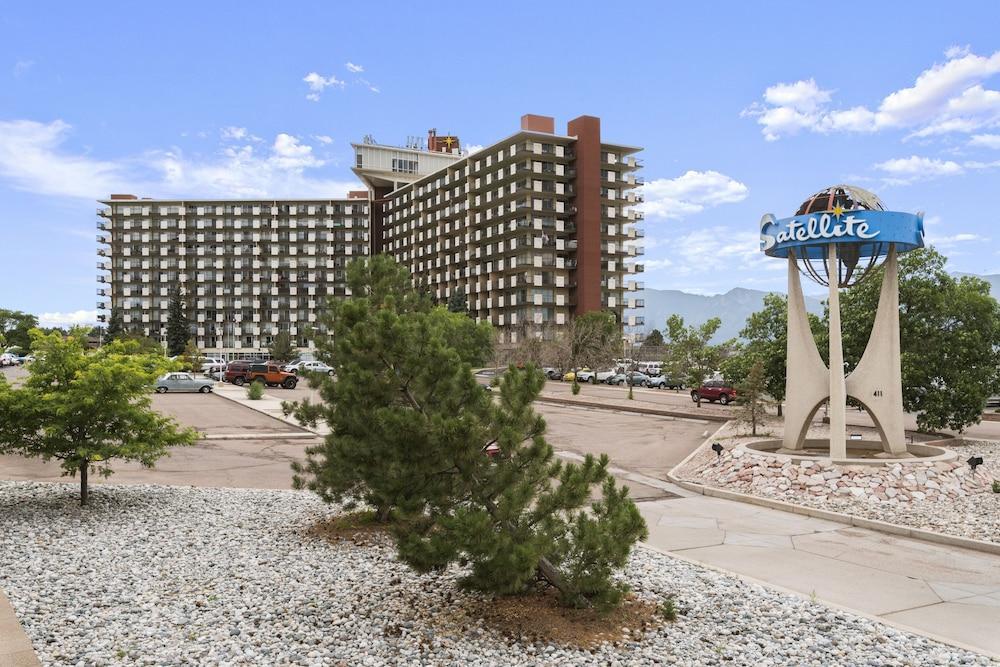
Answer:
(182, 382)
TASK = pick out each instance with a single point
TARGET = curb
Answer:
(636, 409)
(839, 517)
(826, 603)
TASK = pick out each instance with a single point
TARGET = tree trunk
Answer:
(550, 573)
(779, 409)
(84, 489)
(382, 513)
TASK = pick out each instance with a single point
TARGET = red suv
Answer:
(714, 390)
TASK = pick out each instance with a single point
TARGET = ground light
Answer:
(974, 462)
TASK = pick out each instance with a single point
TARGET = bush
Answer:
(576, 387)
(255, 391)
(668, 610)
(996, 486)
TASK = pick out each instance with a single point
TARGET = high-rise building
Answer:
(533, 229)
(247, 269)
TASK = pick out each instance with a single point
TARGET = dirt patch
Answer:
(539, 617)
(361, 528)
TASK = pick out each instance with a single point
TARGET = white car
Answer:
(309, 366)
(212, 364)
(8, 359)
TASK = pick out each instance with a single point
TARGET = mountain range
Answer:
(732, 308)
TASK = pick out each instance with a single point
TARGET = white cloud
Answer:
(919, 166)
(947, 97)
(21, 67)
(803, 96)
(369, 85)
(351, 67)
(323, 138)
(690, 193)
(957, 51)
(77, 317)
(473, 148)
(985, 140)
(34, 158)
(30, 159)
(233, 133)
(318, 83)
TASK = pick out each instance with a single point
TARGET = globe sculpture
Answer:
(836, 238)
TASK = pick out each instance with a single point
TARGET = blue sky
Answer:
(741, 111)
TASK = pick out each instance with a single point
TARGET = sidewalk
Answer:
(15, 647)
(947, 593)
(268, 405)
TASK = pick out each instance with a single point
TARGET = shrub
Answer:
(996, 486)
(668, 609)
(255, 391)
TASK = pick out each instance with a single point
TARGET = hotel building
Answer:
(534, 229)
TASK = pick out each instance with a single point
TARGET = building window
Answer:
(359, 165)
(403, 166)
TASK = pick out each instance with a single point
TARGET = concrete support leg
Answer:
(838, 387)
(806, 384)
(877, 381)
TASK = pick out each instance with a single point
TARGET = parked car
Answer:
(663, 382)
(268, 373)
(636, 378)
(8, 359)
(552, 373)
(604, 376)
(714, 390)
(236, 369)
(212, 364)
(572, 375)
(309, 366)
(176, 382)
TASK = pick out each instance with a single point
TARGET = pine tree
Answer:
(178, 326)
(282, 348)
(458, 302)
(468, 479)
(116, 325)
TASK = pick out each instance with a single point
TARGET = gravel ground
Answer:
(976, 516)
(174, 575)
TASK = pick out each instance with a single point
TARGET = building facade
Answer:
(247, 269)
(533, 230)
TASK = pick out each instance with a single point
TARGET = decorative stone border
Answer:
(928, 452)
(848, 519)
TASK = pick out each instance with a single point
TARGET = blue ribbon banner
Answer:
(870, 231)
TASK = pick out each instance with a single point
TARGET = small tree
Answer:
(470, 479)
(458, 302)
(86, 409)
(191, 359)
(690, 354)
(653, 339)
(751, 397)
(590, 340)
(178, 326)
(116, 325)
(283, 349)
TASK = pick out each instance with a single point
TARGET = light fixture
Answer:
(974, 462)
(718, 449)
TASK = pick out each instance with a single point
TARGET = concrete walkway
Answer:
(15, 647)
(948, 593)
(268, 405)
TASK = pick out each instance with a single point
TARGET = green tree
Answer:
(116, 325)
(15, 327)
(949, 338)
(653, 339)
(178, 326)
(191, 358)
(458, 302)
(283, 349)
(751, 397)
(764, 338)
(689, 352)
(87, 408)
(468, 479)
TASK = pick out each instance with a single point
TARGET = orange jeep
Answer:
(270, 374)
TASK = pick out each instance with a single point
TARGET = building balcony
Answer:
(102, 317)
(635, 321)
(103, 266)
(102, 225)
(102, 305)
(103, 292)
(635, 303)
(104, 212)
(103, 239)
(634, 285)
